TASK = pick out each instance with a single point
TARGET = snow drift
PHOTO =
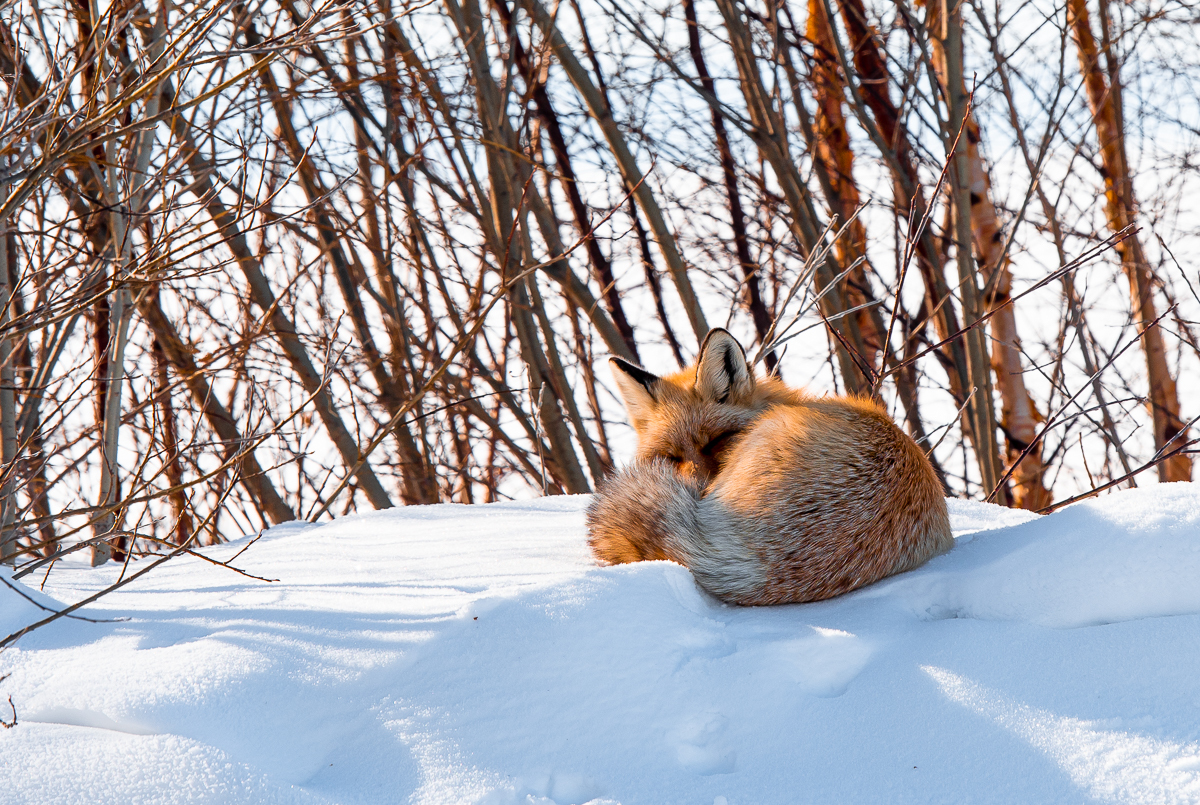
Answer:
(451, 654)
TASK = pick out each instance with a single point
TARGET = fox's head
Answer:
(693, 418)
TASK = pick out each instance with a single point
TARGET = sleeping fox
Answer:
(768, 495)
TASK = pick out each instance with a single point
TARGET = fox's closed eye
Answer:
(718, 443)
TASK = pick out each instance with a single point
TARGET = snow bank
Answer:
(1125, 556)
(452, 654)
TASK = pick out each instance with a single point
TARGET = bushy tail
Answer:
(646, 511)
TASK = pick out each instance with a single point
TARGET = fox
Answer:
(768, 494)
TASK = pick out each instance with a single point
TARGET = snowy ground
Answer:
(451, 654)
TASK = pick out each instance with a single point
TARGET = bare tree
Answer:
(267, 262)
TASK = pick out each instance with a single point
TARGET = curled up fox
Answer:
(767, 494)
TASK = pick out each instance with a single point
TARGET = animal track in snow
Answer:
(701, 746)
(702, 644)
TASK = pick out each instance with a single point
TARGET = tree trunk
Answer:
(829, 141)
(737, 217)
(169, 433)
(864, 60)
(634, 178)
(769, 133)
(566, 172)
(833, 151)
(1121, 209)
(8, 406)
(506, 220)
(180, 354)
(203, 173)
(975, 222)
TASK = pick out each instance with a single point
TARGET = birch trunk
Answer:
(833, 152)
(1121, 209)
(949, 35)
(1018, 415)
(769, 133)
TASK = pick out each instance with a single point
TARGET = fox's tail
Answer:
(648, 511)
(644, 512)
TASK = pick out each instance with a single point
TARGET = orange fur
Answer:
(768, 495)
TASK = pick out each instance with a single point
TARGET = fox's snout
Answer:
(698, 469)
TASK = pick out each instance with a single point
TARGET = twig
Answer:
(226, 564)
(45, 608)
(1051, 420)
(17, 635)
(8, 725)
(1151, 464)
(1095, 251)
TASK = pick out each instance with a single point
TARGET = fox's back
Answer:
(834, 496)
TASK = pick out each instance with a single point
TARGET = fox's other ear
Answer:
(639, 389)
(722, 374)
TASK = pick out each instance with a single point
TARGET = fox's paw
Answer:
(637, 511)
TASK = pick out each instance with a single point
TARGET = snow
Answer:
(455, 654)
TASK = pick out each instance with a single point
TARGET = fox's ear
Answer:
(639, 389)
(722, 374)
